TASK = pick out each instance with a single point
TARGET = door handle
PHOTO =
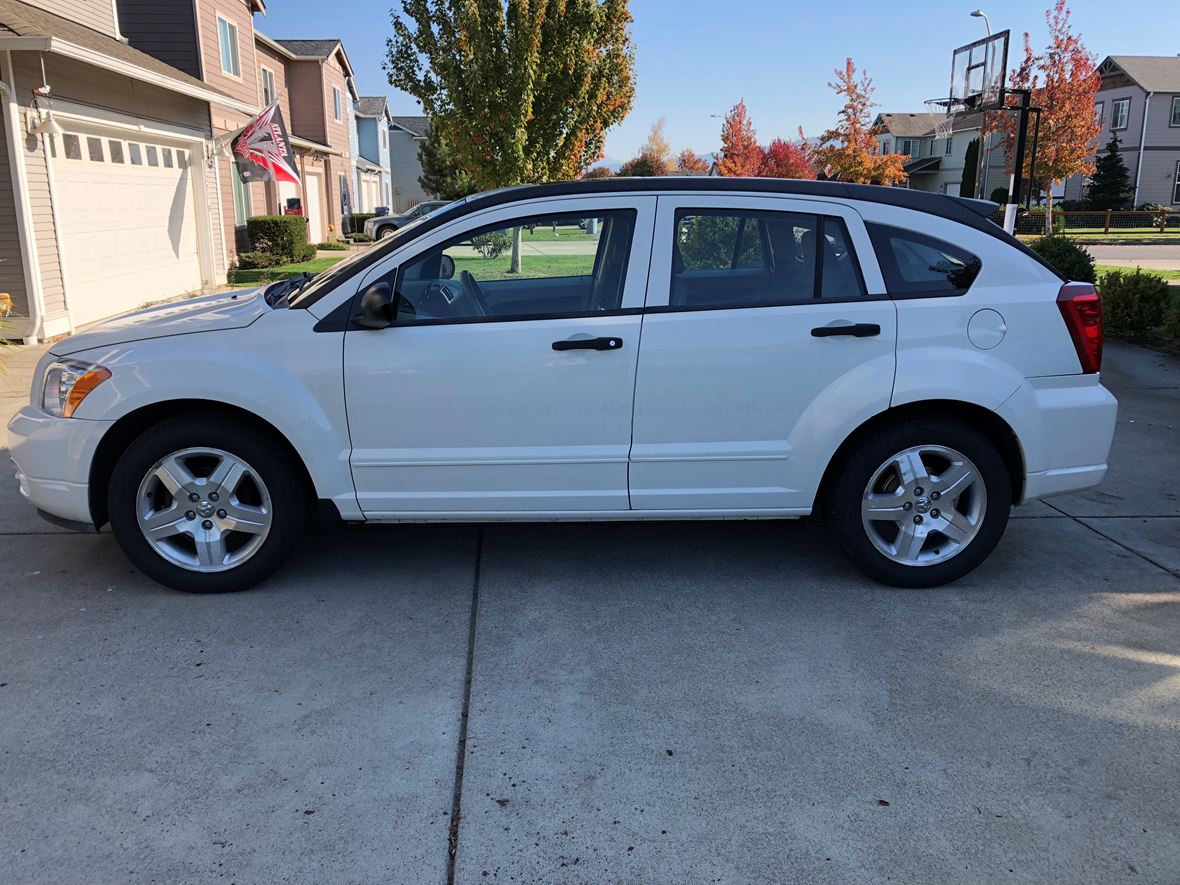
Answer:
(856, 330)
(588, 344)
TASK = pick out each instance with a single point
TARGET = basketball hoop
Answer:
(941, 112)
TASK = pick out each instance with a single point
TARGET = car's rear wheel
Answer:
(921, 503)
(207, 503)
(386, 232)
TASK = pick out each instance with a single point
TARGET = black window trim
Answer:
(760, 213)
(878, 234)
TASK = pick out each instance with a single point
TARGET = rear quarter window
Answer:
(917, 266)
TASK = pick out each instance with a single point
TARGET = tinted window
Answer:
(565, 265)
(913, 264)
(723, 258)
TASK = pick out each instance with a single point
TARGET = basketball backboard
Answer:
(978, 73)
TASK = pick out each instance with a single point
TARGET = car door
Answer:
(504, 384)
(767, 337)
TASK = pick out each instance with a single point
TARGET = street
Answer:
(673, 702)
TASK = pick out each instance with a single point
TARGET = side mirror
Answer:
(446, 267)
(376, 307)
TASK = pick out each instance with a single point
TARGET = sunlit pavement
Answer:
(691, 702)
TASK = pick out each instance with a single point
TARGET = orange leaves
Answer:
(740, 152)
(848, 151)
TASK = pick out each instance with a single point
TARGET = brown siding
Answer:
(336, 132)
(268, 58)
(307, 100)
(237, 13)
(165, 29)
(97, 14)
(12, 273)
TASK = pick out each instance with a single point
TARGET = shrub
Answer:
(1133, 303)
(332, 246)
(1172, 320)
(258, 260)
(1073, 206)
(284, 236)
(1070, 259)
(360, 238)
(357, 222)
(999, 195)
(1035, 220)
(493, 244)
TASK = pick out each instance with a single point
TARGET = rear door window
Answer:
(917, 266)
(724, 258)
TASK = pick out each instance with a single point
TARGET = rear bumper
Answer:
(52, 458)
(1065, 426)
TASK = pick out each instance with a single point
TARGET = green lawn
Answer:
(1097, 236)
(254, 277)
(1164, 274)
(564, 234)
(531, 266)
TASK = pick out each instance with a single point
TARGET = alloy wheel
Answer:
(924, 505)
(204, 509)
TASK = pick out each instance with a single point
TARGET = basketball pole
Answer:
(1016, 182)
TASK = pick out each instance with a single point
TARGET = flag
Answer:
(262, 151)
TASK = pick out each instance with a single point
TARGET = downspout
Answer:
(24, 224)
(1142, 140)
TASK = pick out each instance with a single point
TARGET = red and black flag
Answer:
(262, 151)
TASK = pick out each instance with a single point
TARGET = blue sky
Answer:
(695, 58)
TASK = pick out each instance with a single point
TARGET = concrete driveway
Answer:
(609, 703)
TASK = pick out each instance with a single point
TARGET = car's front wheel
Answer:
(207, 503)
(921, 503)
(386, 232)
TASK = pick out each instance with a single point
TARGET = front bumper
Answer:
(1065, 425)
(53, 457)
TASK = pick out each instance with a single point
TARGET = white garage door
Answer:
(129, 224)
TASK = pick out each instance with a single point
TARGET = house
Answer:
(1139, 101)
(406, 135)
(111, 198)
(373, 176)
(937, 164)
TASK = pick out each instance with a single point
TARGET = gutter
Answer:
(1142, 141)
(315, 146)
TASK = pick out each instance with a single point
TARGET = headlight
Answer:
(67, 383)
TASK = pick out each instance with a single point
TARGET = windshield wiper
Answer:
(279, 294)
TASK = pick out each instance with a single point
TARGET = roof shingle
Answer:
(371, 105)
(416, 125)
(1155, 73)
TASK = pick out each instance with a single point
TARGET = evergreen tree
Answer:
(442, 176)
(970, 169)
(1110, 185)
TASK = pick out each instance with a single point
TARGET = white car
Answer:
(677, 348)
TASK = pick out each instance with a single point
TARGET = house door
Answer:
(500, 392)
(313, 196)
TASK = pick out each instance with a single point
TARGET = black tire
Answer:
(386, 232)
(844, 506)
(282, 474)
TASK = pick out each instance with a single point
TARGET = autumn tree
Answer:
(442, 176)
(1063, 81)
(689, 162)
(656, 147)
(525, 90)
(598, 172)
(740, 152)
(782, 159)
(850, 151)
(1110, 186)
(644, 165)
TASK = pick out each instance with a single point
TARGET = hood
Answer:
(209, 313)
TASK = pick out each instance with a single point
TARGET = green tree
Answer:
(970, 168)
(442, 176)
(525, 89)
(646, 165)
(1110, 185)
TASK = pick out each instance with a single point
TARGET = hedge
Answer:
(281, 236)
(357, 224)
(1071, 260)
(1133, 303)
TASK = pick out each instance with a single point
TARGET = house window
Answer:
(1118, 114)
(1175, 110)
(241, 198)
(1098, 108)
(950, 143)
(136, 153)
(268, 87)
(94, 149)
(227, 39)
(887, 146)
(116, 151)
(385, 136)
(153, 156)
(910, 146)
(1176, 185)
(337, 104)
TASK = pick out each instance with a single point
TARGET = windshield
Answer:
(324, 281)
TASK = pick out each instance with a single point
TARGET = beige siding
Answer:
(12, 273)
(45, 232)
(244, 88)
(307, 100)
(268, 58)
(337, 131)
(97, 14)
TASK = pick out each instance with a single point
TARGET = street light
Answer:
(979, 13)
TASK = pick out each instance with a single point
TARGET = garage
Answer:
(129, 225)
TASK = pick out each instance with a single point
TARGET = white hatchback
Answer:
(677, 348)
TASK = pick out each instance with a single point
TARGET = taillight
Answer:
(1081, 307)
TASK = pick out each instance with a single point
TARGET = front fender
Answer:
(278, 369)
